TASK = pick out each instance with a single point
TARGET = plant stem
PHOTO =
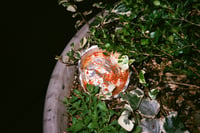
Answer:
(83, 18)
(184, 84)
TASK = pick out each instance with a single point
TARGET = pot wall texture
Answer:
(54, 119)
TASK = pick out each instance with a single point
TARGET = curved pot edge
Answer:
(53, 119)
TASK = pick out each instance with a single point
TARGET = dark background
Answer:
(35, 33)
(32, 34)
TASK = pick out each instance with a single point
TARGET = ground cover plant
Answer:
(162, 42)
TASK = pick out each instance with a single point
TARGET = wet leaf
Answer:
(149, 108)
(150, 125)
(134, 98)
(173, 124)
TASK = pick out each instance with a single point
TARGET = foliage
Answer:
(150, 125)
(153, 93)
(161, 39)
(149, 108)
(173, 125)
(84, 13)
(154, 29)
(88, 113)
(134, 98)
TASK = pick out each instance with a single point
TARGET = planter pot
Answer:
(54, 119)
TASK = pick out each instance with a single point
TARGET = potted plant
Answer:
(151, 49)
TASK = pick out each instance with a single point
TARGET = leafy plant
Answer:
(88, 113)
(153, 93)
(160, 41)
(134, 98)
(173, 125)
(71, 6)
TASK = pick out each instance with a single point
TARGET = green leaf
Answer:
(76, 104)
(96, 89)
(76, 127)
(156, 2)
(144, 41)
(102, 106)
(137, 130)
(87, 120)
(73, 112)
(107, 45)
(122, 9)
(65, 4)
(90, 88)
(153, 93)
(113, 123)
(131, 61)
(93, 125)
(134, 99)
(173, 125)
(73, 99)
(171, 38)
(77, 92)
(70, 53)
(66, 101)
(72, 44)
(78, 55)
(141, 77)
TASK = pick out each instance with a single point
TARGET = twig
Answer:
(189, 67)
(183, 19)
(147, 54)
(184, 84)
(164, 52)
(135, 70)
(150, 54)
(83, 18)
(182, 48)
